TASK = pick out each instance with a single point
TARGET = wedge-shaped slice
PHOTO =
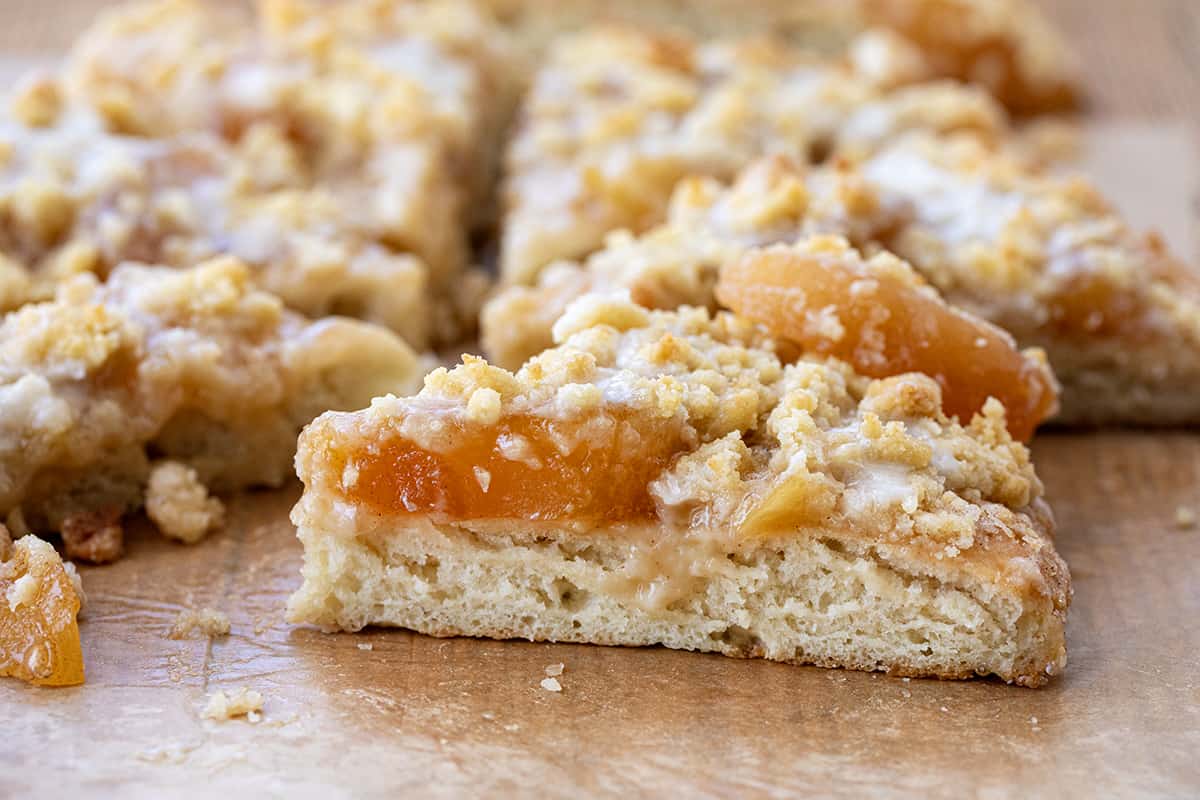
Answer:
(1051, 261)
(663, 477)
(192, 366)
(39, 637)
(616, 117)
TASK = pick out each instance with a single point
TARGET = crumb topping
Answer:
(616, 117)
(179, 504)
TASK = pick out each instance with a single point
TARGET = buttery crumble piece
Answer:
(667, 477)
(1185, 518)
(94, 536)
(551, 685)
(179, 504)
(209, 622)
(192, 365)
(554, 670)
(244, 702)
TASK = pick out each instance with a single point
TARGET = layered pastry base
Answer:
(104, 385)
(616, 117)
(1045, 257)
(681, 479)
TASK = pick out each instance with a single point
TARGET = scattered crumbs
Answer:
(906, 680)
(1185, 518)
(945, 710)
(551, 685)
(511, 727)
(489, 716)
(167, 754)
(208, 621)
(244, 702)
(554, 670)
(1033, 720)
(906, 693)
(365, 646)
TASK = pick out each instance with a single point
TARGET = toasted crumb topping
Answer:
(340, 151)
(616, 117)
(208, 621)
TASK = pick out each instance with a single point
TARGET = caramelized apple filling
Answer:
(39, 637)
(598, 467)
(878, 317)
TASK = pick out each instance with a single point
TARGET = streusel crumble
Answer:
(616, 117)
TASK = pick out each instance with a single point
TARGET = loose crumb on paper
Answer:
(554, 670)
(208, 621)
(365, 646)
(179, 504)
(551, 685)
(1185, 518)
(242, 703)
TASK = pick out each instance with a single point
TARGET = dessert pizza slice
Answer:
(672, 478)
(190, 370)
(616, 117)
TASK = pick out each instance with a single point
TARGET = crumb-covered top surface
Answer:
(616, 117)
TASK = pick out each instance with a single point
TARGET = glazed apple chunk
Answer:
(667, 477)
(881, 317)
(39, 602)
